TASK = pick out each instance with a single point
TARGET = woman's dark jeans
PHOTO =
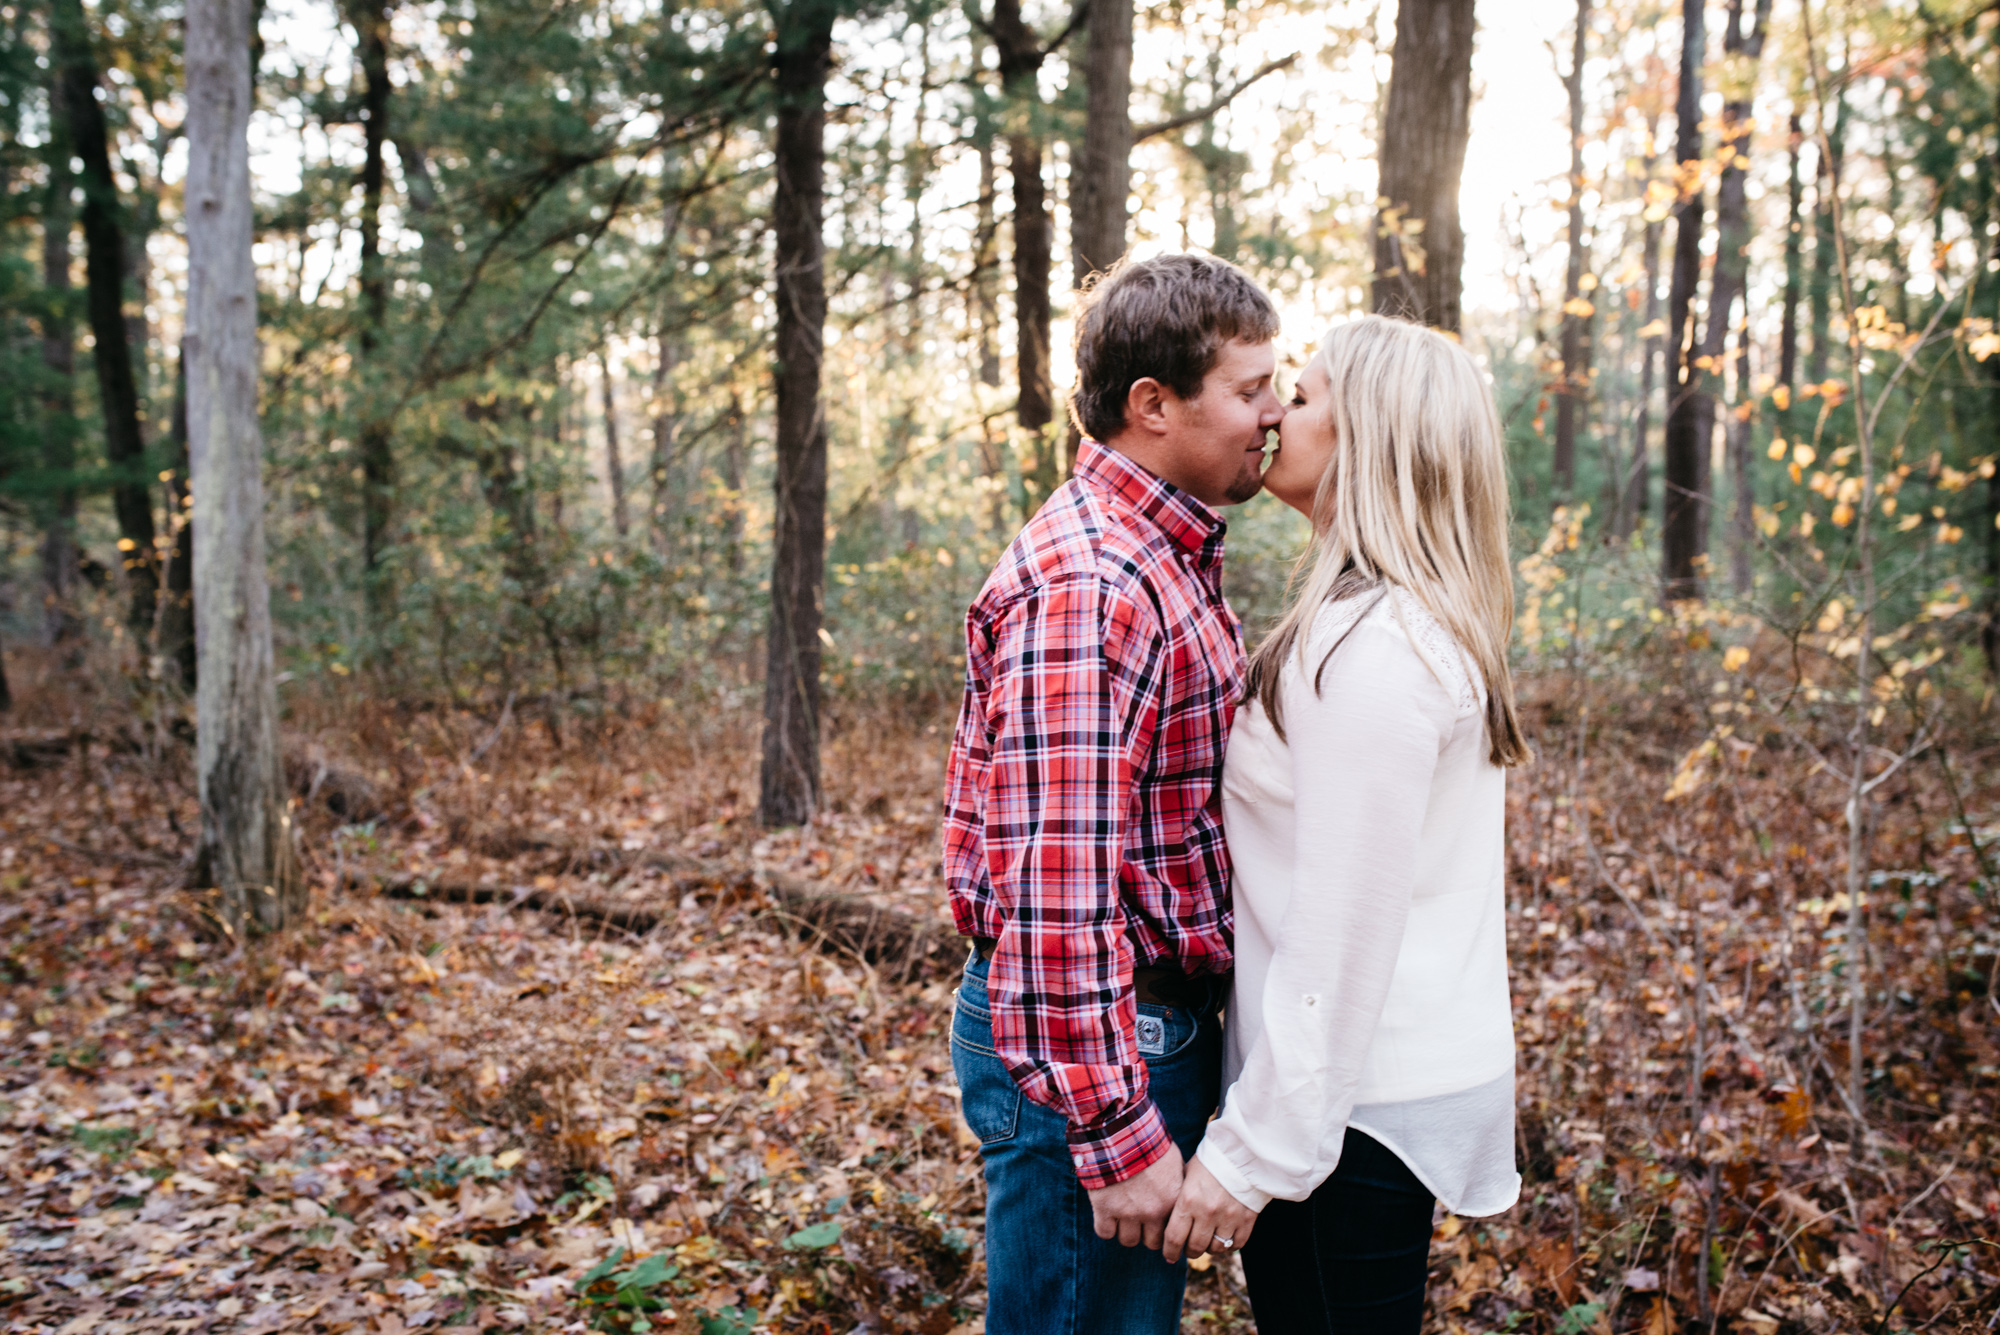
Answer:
(1351, 1258)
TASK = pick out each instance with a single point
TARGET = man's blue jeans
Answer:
(1047, 1271)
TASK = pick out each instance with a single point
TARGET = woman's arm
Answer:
(1363, 751)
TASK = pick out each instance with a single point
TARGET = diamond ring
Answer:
(1225, 1242)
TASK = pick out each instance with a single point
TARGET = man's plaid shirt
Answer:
(1082, 825)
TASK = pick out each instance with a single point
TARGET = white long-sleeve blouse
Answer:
(1371, 948)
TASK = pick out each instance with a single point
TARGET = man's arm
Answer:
(1072, 711)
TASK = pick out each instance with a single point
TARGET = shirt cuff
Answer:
(1120, 1147)
(1232, 1178)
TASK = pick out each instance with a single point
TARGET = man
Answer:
(1083, 840)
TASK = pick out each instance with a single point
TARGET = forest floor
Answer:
(566, 1042)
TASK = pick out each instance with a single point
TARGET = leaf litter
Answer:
(568, 1043)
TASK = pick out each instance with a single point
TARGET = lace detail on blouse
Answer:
(1432, 639)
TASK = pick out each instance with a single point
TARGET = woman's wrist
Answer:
(1229, 1176)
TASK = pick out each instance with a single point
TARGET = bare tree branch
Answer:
(1141, 133)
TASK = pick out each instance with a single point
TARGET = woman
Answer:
(1370, 1060)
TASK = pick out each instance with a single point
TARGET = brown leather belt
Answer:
(1151, 984)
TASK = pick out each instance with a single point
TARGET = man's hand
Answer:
(1136, 1210)
(1204, 1215)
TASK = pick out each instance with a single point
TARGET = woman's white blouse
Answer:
(1371, 947)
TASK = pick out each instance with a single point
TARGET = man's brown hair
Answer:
(1168, 318)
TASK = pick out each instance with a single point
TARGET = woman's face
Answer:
(1305, 441)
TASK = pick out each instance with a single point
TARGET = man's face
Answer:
(1214, 445)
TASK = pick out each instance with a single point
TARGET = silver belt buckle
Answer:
(1152, 1036)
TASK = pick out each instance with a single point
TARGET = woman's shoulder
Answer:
(1399, 615)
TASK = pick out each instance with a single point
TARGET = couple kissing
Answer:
(1147, 831)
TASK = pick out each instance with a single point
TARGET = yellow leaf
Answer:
(1653, 330)
(508, 1159)
(1843, 515)
(1734, 657)
(1777, 449)
(1578, 307)
(1782, 397)
(1804, 455)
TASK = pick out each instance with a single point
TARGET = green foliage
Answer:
(815, 1236)
(1579, 1318)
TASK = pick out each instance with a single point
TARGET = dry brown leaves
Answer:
(424, 1111)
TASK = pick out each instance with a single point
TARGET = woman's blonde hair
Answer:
(1414, 496)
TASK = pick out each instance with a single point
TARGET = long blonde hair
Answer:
(1414, 496)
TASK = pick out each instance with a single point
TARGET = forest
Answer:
(489, 495)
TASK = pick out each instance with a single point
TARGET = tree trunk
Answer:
(1101, 182)
(104, 240)
(1728, 286)
(735, 446)
(1021, 56)
(985, 261)
(1419, 243)
(247, 847)
(614, 462)
(1743, 475)
(789, 785)
(1032, 228)
(1788, 331)
(1991, 635)
(370, 19)
(1638, 497)
(60, 556)
(1819, 293)
(665, 422)
(177, 629)
(1575, 387)
(1682, 528)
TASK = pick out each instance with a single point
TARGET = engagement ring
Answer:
(1225, 1242)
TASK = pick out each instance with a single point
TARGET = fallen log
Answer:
(902, 946)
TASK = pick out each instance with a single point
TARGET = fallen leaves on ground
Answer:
(419, 1109)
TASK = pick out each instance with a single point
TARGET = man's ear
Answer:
(1146, 406)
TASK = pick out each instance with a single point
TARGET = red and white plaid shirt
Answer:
(1082, 825)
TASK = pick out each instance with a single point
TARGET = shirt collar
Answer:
(1193, 526)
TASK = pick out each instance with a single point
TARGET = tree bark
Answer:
(1732, 225)
(59, 554)
(735, 447)
(1991, 635)
(1682, 527)
(1101, 184)
(985, 261)
(1788, 331)
(789, 785)
(1021, 55)
(1743, 475)
(1419, 243)
(665, 423)
(177, 629)
(1819, 292)
(1637, 500)
(614, 462)
(247, 847)
(105, 267)
(1572, 400)
(370, 19)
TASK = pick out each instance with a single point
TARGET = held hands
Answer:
(1206, 1217)
(1175, 1205)
(1136, 1210)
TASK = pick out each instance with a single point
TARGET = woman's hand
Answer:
(1206, 1217)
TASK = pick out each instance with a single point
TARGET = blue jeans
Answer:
(1047, 1271)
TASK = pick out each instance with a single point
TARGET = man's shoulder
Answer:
(1074, 538)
